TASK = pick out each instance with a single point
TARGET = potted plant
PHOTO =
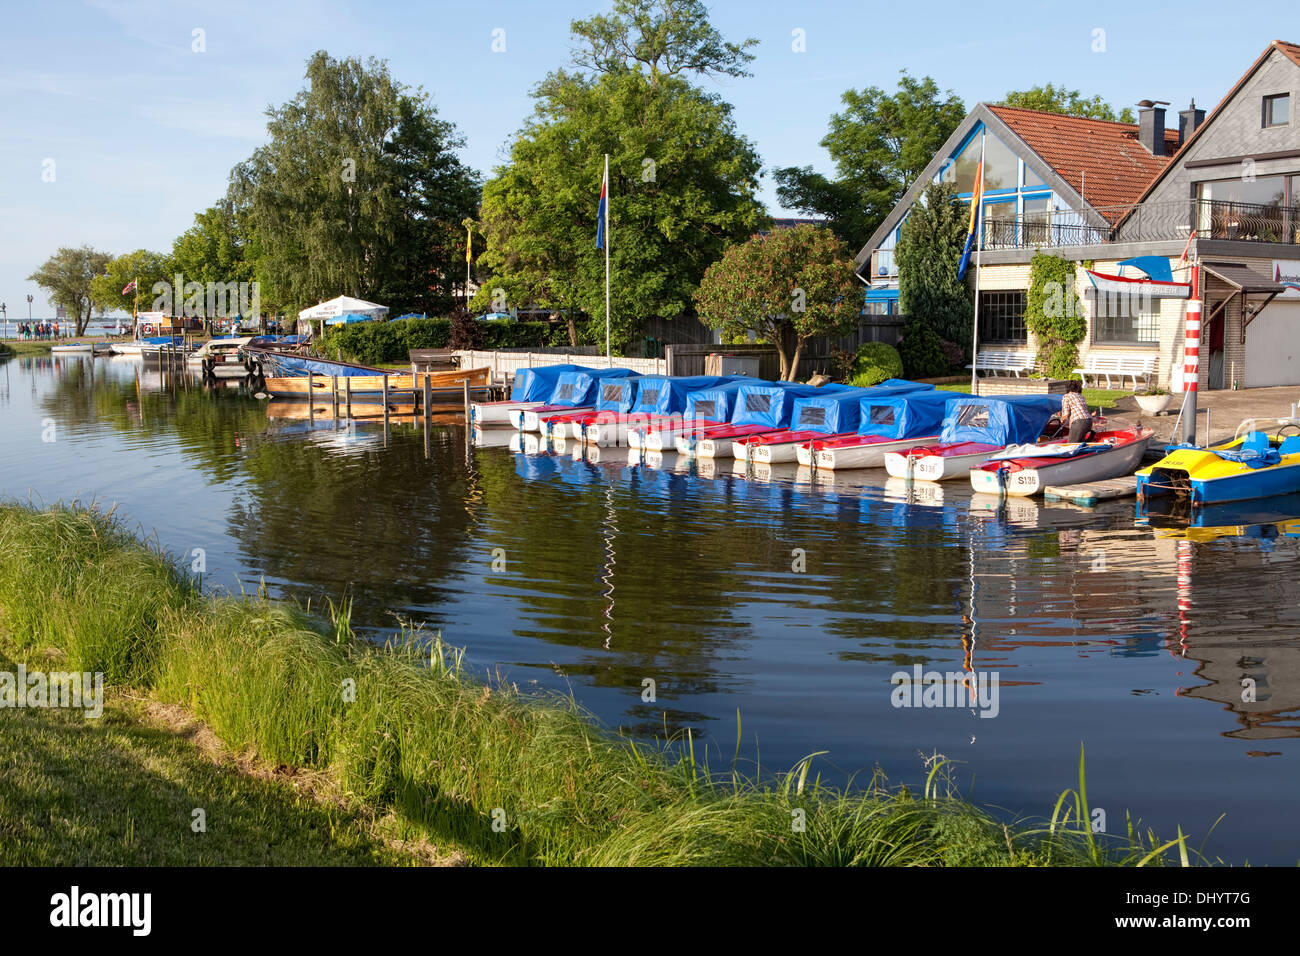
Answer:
(1153, 401)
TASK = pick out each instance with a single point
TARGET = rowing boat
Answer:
(1026, 470)
(444, 386)
(886, 425)
(820, 417)
(575, 391)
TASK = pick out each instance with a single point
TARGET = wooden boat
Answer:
(1254, 464)
(446, 386)
(1025, 471)
(974, 429)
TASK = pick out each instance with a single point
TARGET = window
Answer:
(649, 397)
(1277, 109)
(1246, 208)
(611, 393)
(1002, 317)
(563, 393)
(1125, 320)
(706, 410)
(758, 402)
(881, 415)
(1001, 166)
(1032, 178)
(812, 415)
(973, 416)
(1000, 224)
(1038, 219)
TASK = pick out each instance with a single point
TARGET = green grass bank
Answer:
(405, 734)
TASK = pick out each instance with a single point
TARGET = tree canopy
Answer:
(785, 286)
(358, 191)
(142, 266)
(928, 254)
(660, 38)
(1057, 99)
(68, 276)
(879, 144)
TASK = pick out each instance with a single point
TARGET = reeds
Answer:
(509, 778)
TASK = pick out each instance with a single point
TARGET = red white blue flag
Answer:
(602, 211)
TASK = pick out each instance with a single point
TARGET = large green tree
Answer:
(928, 255)
(683, 181)
(785, 286)
(143, 267)
(879, 144)
(358, 191)
(67, 276)
(1057, 99)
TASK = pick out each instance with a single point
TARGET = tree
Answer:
(1057, 99)
(67, 277)
(358, 191)
(213, 249)
(879, 144)
(683, 182)
(785, 286)
(142, 267)
(928, 254)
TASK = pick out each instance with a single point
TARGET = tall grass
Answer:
(508, 777)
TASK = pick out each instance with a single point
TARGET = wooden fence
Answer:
(504, 364)
(818, 353)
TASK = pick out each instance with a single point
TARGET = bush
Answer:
(466, 331)
(922, 352)
(955, 353)
(377, 343)
(874, 363)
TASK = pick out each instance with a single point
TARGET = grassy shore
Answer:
(401, 734)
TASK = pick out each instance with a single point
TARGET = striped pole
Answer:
(1192, 358)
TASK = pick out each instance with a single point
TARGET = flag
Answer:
(130, 287)
(602, 211)
(976, 201)
(469, 245)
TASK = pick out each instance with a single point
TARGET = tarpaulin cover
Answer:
(290, 366)
(838, 412)
(771, 404)
(914, 415)
(1000, 420)
(664, 394)
(581, 387)
(618, 395)
(715, 404)
(536, 384)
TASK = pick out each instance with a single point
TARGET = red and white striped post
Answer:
(1192, 358)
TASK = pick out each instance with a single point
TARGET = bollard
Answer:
(385, 399)
(334, 391)
(427, 406)
(347, 385)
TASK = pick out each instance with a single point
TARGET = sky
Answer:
(118, 121)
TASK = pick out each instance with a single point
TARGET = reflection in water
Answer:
(592, 570)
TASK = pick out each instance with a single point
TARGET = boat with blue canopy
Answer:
(659, 398)
(708, 407)
(614, 399)
(530, 389)
(886, 423)
(574, 391)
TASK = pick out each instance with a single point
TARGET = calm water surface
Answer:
(789, 601)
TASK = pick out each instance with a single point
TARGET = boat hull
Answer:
(868, 455)
(934, 467)
(1026, 482)
(497, 413)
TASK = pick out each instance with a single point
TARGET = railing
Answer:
(505, 364)
(1146, 222)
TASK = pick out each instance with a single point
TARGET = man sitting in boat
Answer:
(1075, 415)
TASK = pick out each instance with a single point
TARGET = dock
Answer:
(1093, 492)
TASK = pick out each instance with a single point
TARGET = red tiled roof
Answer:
(1290, 50)
(1103, 160)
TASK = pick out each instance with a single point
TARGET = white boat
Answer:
(490, 414)
(938, 463)
(220, 358)
(72, 347)
(864, 454)
(1027, 470)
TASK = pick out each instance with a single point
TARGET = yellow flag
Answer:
(469, 245)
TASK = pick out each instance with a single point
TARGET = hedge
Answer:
(377, 343)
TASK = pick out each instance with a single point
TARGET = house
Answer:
(1224, 189)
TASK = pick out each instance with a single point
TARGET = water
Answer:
(1129, 639)
(96, 327)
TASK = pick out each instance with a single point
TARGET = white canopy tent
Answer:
(317, 315)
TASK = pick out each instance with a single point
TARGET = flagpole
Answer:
(135, 309)
(608, 354)
(979, 248)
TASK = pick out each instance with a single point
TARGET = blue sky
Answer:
(143, 131)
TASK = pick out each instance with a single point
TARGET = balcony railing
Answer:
(1147, 222)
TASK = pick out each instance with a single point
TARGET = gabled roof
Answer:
(1102, 159)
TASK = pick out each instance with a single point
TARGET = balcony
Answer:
(1149, 222)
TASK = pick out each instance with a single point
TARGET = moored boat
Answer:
(818, 417)
(759, 409)
(530, 389)
(974, 428)
(1254, 464)
(574, 392)
(886, 424)
(1026, 470)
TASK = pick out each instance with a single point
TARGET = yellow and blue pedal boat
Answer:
(1257, 463)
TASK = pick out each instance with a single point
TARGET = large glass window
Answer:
(1257, 209)
(1032, 178)
(1001, 165)
(1125, 320)
(1038, 219)
(1002, 317)
(1277, 109)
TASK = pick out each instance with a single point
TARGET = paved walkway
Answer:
(1227, 410)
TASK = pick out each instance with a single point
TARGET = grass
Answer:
(403, 733)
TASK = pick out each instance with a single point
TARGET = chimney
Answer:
(1189, 121)
(1151, 126)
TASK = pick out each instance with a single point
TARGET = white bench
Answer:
(1003, 360)
(1120, 364)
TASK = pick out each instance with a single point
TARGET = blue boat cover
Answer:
(536, 384)
(914, 415)
(716, 404)
(296, 365)
(580, 388)
(663, 394)
(840, 411)
(998, 419)
(618, 394)
(772, 403)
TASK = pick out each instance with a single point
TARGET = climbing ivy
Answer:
(1054, 313)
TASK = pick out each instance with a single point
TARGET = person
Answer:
(1075, 415)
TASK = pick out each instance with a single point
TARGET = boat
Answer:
(819, 417)
(70, 348)
(758, 409)
(614, 399)
(530, 389)
(151, 345)
(574, 392)
(708, 407)
(1025, 471)
(445, 388)
(886, 424)
(1254, 464)
(974, 428)
(220, 357)
(660, 399)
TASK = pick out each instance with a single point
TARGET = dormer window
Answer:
(1277, 110)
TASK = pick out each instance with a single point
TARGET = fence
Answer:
(505, 364)
(818, 354)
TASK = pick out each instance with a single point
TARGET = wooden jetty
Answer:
(1089, 494)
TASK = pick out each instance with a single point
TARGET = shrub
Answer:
(955, 353)
(376, 343)
(874, 363)
(922, 352)
(466, 331)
